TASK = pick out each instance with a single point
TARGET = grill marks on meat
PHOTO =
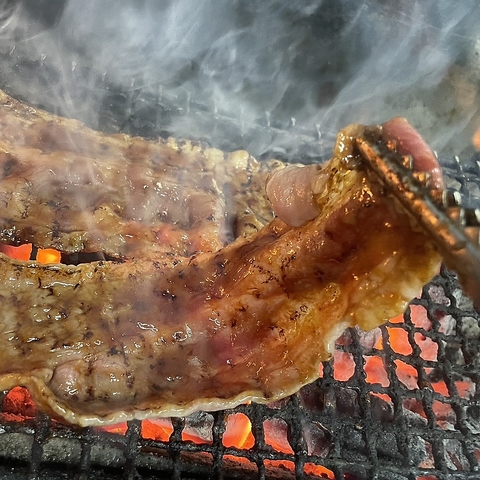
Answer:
(70, 188)
(214, 303)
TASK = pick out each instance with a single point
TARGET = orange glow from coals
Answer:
(407, 374)
(157, 429)
(18, 403)
(375, 371)
(24, 252)
(476, 139)
(238, 432)
(318, 471)
(48, 255)
(398, 339)
(276, 435)
(118, 428)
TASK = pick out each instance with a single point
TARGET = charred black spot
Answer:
(169, 295)
(10, 164)
(88, 335)
(286, 262)
(114, 351)
(330, 235)
(271, 278)
(55, 229)
(319, 275)
(90, 392)
(303, 308)
(56, 205)
(295, 316)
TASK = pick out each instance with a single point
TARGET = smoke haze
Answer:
(305, 64)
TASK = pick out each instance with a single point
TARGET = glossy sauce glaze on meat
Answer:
(209, 301)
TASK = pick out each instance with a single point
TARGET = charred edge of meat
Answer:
(82, 257)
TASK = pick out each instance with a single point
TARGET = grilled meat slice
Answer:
(210, 304)
(67, 187)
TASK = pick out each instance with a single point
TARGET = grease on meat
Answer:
(211, 301)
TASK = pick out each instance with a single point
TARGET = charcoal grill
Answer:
(422, 424)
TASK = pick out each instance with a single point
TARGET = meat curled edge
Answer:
(186, 317)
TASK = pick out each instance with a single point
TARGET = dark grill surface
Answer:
(377, 412)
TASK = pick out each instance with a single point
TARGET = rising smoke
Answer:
(323, 64)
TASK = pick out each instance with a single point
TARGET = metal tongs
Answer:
(454, 229)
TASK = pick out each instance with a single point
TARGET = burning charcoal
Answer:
(470, 330)
(445, 415)
(347, 401)
(462, 301)
(417, 314)
(238, 431)
(369, 338)
(382, 410)
(19, 401)
(314, 397)
(447, 324)
(473, 418)
(454, 455)
(318, 439)
(413, 413)
(276, 434)
(344, 365)
(437, 295)
(345, 338)
(200, 424)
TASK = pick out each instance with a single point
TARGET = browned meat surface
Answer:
(211, 302)
(67, 187)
